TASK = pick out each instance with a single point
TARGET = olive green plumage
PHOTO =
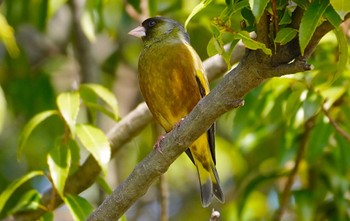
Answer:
(172, 81)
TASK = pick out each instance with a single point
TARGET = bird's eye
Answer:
(151, 23)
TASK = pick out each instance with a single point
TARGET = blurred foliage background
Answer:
(52, 46)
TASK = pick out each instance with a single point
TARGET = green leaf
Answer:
(341, 6)
(252, 44)
(2, 109)
(5, 195)
(310, 21)
(318, 140)
(68, 104)
(216, 46)
(286, 18)
(48, 216)
(292, 104)
(285, 35)
(258, 7)
(343, 52)
(106, 95)
(7, 37)
(303, 198)
(54, 6)
(30, 126)
(302, 3)
(332, 94)
(213, 47)
(332, 16)
(59, 159)
(203, 4)
(28, 201)
(311, 105)
(96, 142)
(252, 185)
(104, 185)
(79, 207)
(75, 155)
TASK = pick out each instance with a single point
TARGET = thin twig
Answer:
(274, 15)
(89, 71)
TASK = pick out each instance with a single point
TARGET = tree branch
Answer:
(89, 71)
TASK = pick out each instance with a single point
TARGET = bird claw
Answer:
(179, 123)
(157, 146)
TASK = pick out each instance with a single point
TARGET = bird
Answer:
(172, 81)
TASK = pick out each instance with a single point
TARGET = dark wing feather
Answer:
(211, 131)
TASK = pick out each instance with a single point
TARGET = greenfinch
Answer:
(172, 81)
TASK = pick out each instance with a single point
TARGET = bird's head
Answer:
(158, 29)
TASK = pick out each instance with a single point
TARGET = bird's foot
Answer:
(178, 123)
(158, 143)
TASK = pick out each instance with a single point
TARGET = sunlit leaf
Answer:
(96, 142)
(256, 207)
(332, 94)
(213, 47)
(68, 104)
(343, 54)
(311, 105)
(203, 4)
(341, 6)
(285, 35)
(54, 5)
(6, 194)
(2, 109)
(258, 7)
(31, 125)
(106, 95)
(7, 37)
(310, 21)
(87, 24)
(252, 44)
(59, 159)
(292, 104)
(79, 207)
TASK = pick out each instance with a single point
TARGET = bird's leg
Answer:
(158, 143)
(161, 138)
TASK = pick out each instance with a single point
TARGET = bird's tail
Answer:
(208, 176)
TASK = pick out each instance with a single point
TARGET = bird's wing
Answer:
(203, 86)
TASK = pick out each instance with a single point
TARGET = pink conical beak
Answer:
(138, 32)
